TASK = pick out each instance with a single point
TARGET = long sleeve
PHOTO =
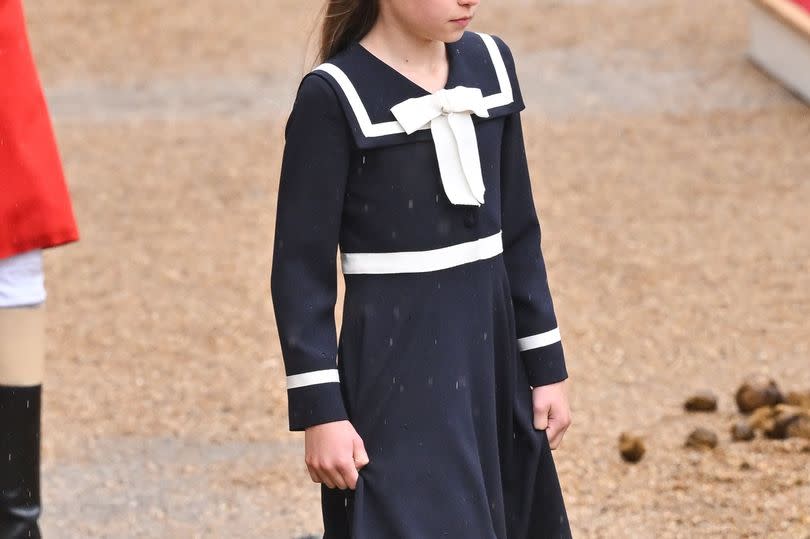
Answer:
(314, 171)
(538, 335)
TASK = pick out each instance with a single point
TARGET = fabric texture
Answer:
(447, 319)
(35, 207)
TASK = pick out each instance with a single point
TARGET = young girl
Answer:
(435, 411)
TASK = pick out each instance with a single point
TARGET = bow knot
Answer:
(448, 113)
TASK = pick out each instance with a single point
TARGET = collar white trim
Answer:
(370, 129)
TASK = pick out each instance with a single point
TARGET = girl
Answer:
(35, 213)
(434, 412)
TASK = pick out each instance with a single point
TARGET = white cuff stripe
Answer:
(312, 377)
(541, 339)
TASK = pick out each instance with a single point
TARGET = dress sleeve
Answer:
(538, 335)
(303, 279)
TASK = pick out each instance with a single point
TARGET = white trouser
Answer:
(22, 281)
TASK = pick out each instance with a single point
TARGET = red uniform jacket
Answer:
(35, 208)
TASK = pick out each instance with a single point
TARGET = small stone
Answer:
(762, 418)
(757, 391)
(798, 398)
(701, 438)
(631, 447)
(799, 427)
(785, 416)
(702, 401)
(741, 431)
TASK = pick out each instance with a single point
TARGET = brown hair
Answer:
(343, 22)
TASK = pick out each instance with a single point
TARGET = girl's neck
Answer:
(420, 58)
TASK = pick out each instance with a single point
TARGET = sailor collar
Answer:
(384, 107)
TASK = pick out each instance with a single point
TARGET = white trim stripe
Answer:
(369, 129)
(504, 97)
(541, 339)
(312, 377)
(420, 261)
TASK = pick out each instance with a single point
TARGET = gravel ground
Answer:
(671, 188)
(231, 489)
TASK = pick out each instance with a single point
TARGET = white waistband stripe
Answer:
(420, 261)
(538, 340)
(312, 377)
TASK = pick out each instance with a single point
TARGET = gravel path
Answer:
(168, 487)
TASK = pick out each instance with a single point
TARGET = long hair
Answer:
(345, 21)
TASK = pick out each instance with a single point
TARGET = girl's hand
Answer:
(333, 453)
(551, 411)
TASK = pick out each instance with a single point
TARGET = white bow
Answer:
(448, 111)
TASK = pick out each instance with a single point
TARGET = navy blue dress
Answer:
(447, 318)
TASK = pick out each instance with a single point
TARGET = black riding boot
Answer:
(20, 408)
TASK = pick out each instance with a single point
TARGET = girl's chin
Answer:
(454, 34)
